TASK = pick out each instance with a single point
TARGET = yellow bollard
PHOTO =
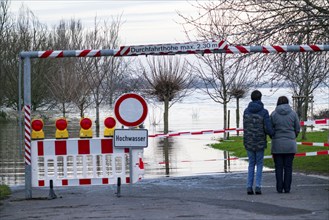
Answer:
(109, 123)
(37, 132)
(85, 131)
(61, 128)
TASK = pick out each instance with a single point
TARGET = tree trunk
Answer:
(225, 119)
(63, 106)
(166, 116)
(237, 114)
(81, 111)
(166, 155)
(97, 120)
(304, 118)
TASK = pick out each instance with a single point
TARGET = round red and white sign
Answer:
(130, 109)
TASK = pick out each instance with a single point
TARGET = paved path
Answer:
(220, 196)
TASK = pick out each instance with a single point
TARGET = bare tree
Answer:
(292, 22)
(64, 79)
(221, 74)
(104, 73)
(26, 34)
(168, 80)
(274, 22)
(5, 24)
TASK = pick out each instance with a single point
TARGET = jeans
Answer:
(255, 159)
(283, 171)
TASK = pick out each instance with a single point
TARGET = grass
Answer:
(309, 165)
(4, 191)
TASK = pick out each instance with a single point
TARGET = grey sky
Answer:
(146, 22)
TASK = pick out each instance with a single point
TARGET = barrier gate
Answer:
(78, 161)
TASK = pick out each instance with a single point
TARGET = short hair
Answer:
(282, 100)
(256, 95)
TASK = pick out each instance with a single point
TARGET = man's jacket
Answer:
(256, 125)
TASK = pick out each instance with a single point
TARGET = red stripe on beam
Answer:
(46, 54)
(84, 53)
(242, 49)
(279, 49)
(315, 48)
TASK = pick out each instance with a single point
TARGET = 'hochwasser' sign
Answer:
(130, 138)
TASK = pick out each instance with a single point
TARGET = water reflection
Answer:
(11, 155)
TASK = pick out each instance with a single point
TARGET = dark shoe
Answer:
(279, 190)
(258, 191)
(287, 191)
(249, 191)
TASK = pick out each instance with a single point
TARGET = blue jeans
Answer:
(255, 159)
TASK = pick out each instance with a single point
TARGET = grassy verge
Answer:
(310, 165)
(4, 191)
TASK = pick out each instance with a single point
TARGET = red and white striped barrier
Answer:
(304, 154)
(315, 122)
(75, 162)
(325, 144)
(183, 133)
(274, 49)
(217, 131)
(176, 48)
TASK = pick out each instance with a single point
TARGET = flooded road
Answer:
(175, 156)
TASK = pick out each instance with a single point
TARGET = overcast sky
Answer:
(146, 22)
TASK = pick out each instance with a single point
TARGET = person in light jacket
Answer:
(286, 127)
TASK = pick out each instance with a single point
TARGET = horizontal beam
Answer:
(173, 49)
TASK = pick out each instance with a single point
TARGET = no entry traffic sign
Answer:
(130, 109)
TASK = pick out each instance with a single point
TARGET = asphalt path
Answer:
(217, 196)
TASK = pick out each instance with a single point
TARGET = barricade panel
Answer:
(75, 162)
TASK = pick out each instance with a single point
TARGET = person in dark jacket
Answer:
(286, 126)
(256, 126)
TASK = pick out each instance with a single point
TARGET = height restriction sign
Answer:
(130, 109)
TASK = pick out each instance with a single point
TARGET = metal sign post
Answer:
(27, 122)
(130, 110)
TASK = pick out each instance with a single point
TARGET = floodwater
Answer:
(175, 156)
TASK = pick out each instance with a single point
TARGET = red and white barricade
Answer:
(76, 162)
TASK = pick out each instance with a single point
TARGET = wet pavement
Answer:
(217, 196)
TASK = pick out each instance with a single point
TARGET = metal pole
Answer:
(19, 109)
(27, 116)
(131, 166)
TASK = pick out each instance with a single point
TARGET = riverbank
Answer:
(219, 196)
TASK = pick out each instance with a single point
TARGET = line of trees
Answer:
(278, 22)
(61, 83)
